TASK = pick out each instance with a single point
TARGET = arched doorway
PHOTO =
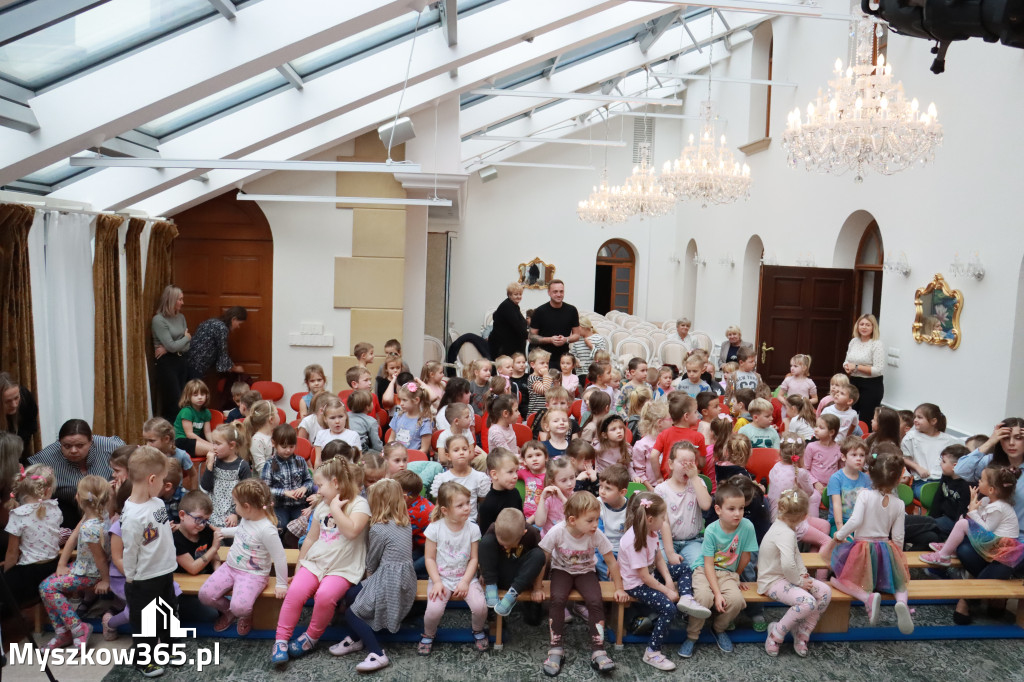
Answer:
(614, 277)
(690, 281)
(868, 272)
(223, 257)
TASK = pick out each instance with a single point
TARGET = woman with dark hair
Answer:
(75, 455)
(171, 342)
(10, 467)
(209, 349)
(20, 412)
(1004, 448)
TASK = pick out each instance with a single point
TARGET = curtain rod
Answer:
(66, 211)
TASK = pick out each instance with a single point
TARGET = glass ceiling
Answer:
(66, 48)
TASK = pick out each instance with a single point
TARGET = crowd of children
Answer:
(649, 490)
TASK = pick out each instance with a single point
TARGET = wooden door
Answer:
(804, 310)
(613, 281)
(223, 257)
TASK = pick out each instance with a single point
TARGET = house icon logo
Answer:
(159, 616)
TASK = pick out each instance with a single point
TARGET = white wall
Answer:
(964, 202)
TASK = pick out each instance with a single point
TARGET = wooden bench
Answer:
(813, 561)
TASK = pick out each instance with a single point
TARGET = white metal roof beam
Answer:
(492, 44)
(449, 21)
(291, 75)
(17, 117)
(592, 71)
(28, 17)
(167, 194)
(657, 29)
(170, 74)
(226, 9)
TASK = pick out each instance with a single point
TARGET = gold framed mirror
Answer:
(536, 274)
(938, 314)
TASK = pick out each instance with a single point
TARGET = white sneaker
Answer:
(347, 646)
(658, 660)
(373, 662)
(691, 607)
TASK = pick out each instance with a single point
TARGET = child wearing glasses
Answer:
(195, 541)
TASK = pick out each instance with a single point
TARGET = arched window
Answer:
(613, 279)
(868, 268)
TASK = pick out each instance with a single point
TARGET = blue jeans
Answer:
(691, 550)
(602, 567)
(286, 515)
(945, 525)
(420, 566)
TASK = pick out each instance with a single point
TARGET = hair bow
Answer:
(411, 387)
(793, 441)
(793, 494)
(36, 477)
(795, 458)
(12, 496)
(645, 503)
(1016, 471)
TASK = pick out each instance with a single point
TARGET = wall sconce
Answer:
(674, 259)
(899, 266)
(769, 260)
(698, 261)
(727, 259)
(972, 268)
(805, 260)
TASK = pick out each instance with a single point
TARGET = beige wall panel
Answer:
(341, 363)
(369, 283)
(378, 233)
(376, 327)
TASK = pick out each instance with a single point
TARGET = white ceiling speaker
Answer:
(397, 132)
(488, 173)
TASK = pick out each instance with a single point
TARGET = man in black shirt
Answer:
(555, 324)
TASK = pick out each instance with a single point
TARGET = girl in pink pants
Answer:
(332, 559)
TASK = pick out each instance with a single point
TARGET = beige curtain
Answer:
(109, 415)
(159, 273)
(137, 407)
(17, 337)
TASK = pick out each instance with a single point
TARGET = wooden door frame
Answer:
(858, 268)
(616, 263)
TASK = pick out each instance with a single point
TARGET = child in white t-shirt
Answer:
(477, 482)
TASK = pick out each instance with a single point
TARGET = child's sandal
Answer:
(425, 645)
(553, 663)
(481, 641)
(601, 662)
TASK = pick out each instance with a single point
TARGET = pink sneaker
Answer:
(109, 633)
(82, 637)
(373, 662)
(936, 559)
(61, 639)
(936, 546)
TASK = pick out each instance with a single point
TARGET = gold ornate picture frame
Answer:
(937, 319)
(536, 274)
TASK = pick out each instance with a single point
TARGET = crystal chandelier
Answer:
(642, 193)
(602, 205)
(864, 121)
(707, 172)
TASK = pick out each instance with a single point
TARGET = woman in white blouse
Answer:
(865, 363)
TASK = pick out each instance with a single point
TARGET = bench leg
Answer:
(498, 644)
(265, 613)
(1020, 613)
(836, 618)
(37, 613)
(620, 613)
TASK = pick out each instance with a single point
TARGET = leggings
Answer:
(805, 607)
(666, 609)
(587, 584)
(54, 592)
(244, 587)
(956, 536)
(815, 533)
(325, 594)
(474, 599)
(361, 631)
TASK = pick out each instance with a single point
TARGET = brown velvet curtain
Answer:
(159, 273)
(17, 336)
(137, 407)
(109, 415)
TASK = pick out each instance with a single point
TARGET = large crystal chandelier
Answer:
(642, 193)
(707, 172)
(602, 205)
(864, 121)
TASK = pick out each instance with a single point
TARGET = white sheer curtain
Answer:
(60, 258)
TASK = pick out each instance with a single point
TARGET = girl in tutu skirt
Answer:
(991, 524)
(874, 562)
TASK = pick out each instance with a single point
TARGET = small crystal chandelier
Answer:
(707, 172)
(602, 205)
(864, 121)
(642, 193)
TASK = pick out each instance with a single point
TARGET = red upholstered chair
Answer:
(529, 420)
(417, 456)
(574, 411)
(294, 423)
(523, 434)
(296, 398)
(281, 418)
(216, 418)
(270, 390)
(629, 436)
(761, 462)
(864, 428)
(304, 449)
(344, 396)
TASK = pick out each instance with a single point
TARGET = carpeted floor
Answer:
(247, 660)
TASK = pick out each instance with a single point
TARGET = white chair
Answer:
(617, 336)
(614, 315)
(433, 349)
(668, 325)
(701, 340)
(634, 347)
(673, 353)
(658, 337)
(488, 322)
(467, 355)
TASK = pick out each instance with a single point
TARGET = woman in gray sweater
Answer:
(171, 341)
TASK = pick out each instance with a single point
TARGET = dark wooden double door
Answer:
(804, 310)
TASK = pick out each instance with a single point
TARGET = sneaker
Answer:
(936, 559)
(223, 622)
(723, 641)
(505, 605)
(686, 649)
(903, 620)
(373, 662)
(874, 605)
(61, 639)
(150, 670)
(280, 655)
(491, 595)
(691, 607)
(657, 660)
(109, 633)
(771, 644)
(346, 646)
(82, 634)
